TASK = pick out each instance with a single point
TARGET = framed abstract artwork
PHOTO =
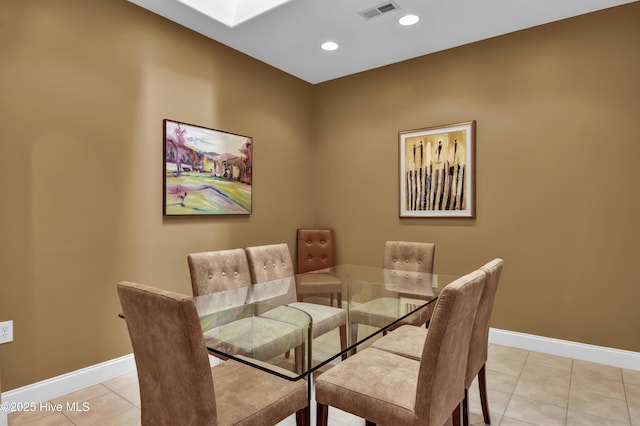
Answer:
(437, 171)
(206, 171)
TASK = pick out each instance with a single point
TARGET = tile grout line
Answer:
(566, 418)
(629, 418)
(514, 388)
(530, 355)
(113, 414)
(626, 398)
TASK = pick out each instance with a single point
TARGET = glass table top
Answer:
(265, 326)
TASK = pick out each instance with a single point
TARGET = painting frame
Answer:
(427, 155)
(206, 172)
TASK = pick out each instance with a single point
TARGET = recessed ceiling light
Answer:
(329, 45)
(408, 20)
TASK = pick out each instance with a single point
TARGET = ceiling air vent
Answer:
(379, 10)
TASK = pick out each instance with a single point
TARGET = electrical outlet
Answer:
(6, 331)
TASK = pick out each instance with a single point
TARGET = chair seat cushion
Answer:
(377, 312)
(265, 400)
(373, 384)
(324, 318)
(263, 338)
(315, 282)
(383, 310)
(407, 341)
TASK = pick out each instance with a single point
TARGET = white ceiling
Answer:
(288, 36)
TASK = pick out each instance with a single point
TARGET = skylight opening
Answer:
(233, 12)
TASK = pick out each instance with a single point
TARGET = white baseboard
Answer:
(79, 379)
(584, 352)
(71, 382)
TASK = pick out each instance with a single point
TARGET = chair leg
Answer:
(298, 355)
(354, 336)
(339, 301)
(322, 414)
(482, 383)
(330, 299)
(369, 423)
(343, 340)
(465, 408)
(455, 417)
(302, 417)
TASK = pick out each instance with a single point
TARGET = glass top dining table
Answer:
(257, 324)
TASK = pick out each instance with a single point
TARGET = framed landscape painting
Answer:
(437, 171)
(206, 171)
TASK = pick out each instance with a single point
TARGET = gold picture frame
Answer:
(437, 171)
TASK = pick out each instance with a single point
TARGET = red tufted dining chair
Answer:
(315, 254)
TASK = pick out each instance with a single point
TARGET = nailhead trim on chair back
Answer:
(215, 271)
(315, 249)
(409, 256)
(269, 262)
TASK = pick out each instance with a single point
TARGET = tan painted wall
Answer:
(84, 87)
(557, 110)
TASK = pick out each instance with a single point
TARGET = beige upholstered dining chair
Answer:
(407, 341)
(216, 271)
(398, 256)
(315, 254)
(479, 345)
(177, 384)
(390, 389)
(273, 262)
(412, 257)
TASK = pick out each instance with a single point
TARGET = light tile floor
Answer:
(525, 388)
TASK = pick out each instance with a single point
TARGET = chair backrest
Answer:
(269, 262)
(215, 271)
(444, 355)
(314, 249)
(409, 256)
(176, 385)
(480, 335)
